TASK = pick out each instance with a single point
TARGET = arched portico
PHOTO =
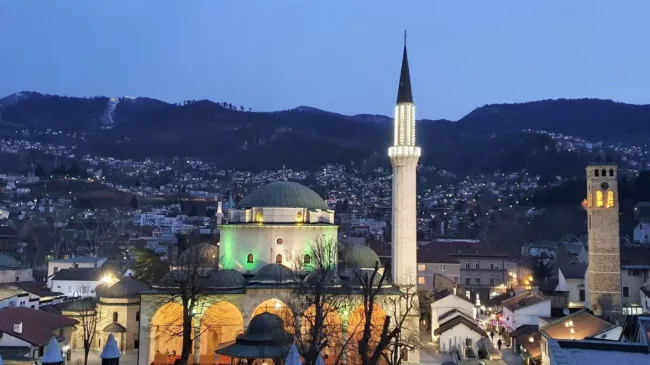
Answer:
(166, 335)
(355, 328)
(220, 325)
(333, 328)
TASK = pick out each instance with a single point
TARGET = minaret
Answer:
(404, 155)
(604, 271)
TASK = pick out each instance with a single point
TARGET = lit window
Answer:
(421, 280)
(610, 199)
(299, 217)
(599, 199)
(421, 267)
(307, 259)
(249, 258)
(278, 259)
(259, 217)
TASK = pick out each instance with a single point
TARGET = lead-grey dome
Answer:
(227, 279)
(283, 194)
(358, 257)
(327, 278)
(202, 255)
(125, 288)
(273, 273)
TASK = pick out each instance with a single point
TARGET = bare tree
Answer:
(99, 233)
(319, 297)
(88, 319)
(387, 338)
(185, 284)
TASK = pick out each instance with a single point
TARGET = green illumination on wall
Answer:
(227, 249)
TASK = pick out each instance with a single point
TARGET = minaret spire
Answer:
(404, 94)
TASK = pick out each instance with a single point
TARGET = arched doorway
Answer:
(280, 309)
(220, 324)
(356, 325)
(333, 329)
(166, 333)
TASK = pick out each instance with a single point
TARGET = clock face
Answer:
(279, 240)
(604, 186)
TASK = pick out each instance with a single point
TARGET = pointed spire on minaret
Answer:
(284, 175)
(404, 94)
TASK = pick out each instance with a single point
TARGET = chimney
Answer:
(18, 328)
(111, 353)
(455, 289)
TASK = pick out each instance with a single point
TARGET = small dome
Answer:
(202, 254)
(125, 288)
(358, 257)
(101, 289)
(266, 326)
(329, 278)
(272, 274)
(227, 279)
(284, 194)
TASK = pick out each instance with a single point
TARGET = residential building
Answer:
(80, 282)
(434, 262)
(11, 271)
(55, 266)
(589, 352)
(571, 279)
(525, 309)
(29, 330)
(635, 273)
(580, 325)
(641, 233)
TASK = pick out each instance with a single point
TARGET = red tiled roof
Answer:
(38, 326)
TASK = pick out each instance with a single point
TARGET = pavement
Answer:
(77, 358)
(507, 353)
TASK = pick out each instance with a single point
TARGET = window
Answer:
(468, 342)
(467, 265)
(491, 280)
(477, 265)
(421, 267)
(76, 266)
(278, 259)
(466, 281)
(599, 199)
(259, 217)
(442, 267)
(611, 172)
(610, 199)
(114, 316)
(307, 260)
(249, 258)
(581, 295)
(596, 173)
(491, 266)
(477, 280)
(279, 240)
(299, 217)
(626, 292)
(17, 278)
(421, 280)
(137, 316)
(604, 172)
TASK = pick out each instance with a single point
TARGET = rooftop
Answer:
(523, 300)
(37, 325)
(80, 260)
(284, 194)
(585, 325)
(597, 352)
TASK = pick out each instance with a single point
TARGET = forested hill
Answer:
(488, 139)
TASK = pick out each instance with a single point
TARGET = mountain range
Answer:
(490, 138)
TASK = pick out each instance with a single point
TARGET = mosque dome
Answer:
(202, 254)
(125, 288)
(272, 274)
(358, 257)
(283, 194)
(100, 290)
(227, 279)
(329, 278)
(266, 326)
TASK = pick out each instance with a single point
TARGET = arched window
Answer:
(299, 217)
(611, 172)
(610, 199)
(604, 172)
(307, 259)
(249, 258)
(596, 173)
(599, 199)
(114, 316)
(259, 217)
(137, 316)
(278, 259)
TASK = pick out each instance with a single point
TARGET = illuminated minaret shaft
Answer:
(404, 155)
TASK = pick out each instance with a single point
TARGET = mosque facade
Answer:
(265, 251)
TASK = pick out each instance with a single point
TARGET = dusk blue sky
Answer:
(342, 56)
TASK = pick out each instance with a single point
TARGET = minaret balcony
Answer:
(404, 151)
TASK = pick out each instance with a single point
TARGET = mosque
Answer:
(265, 251)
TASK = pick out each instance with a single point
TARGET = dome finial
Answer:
(404, 37)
